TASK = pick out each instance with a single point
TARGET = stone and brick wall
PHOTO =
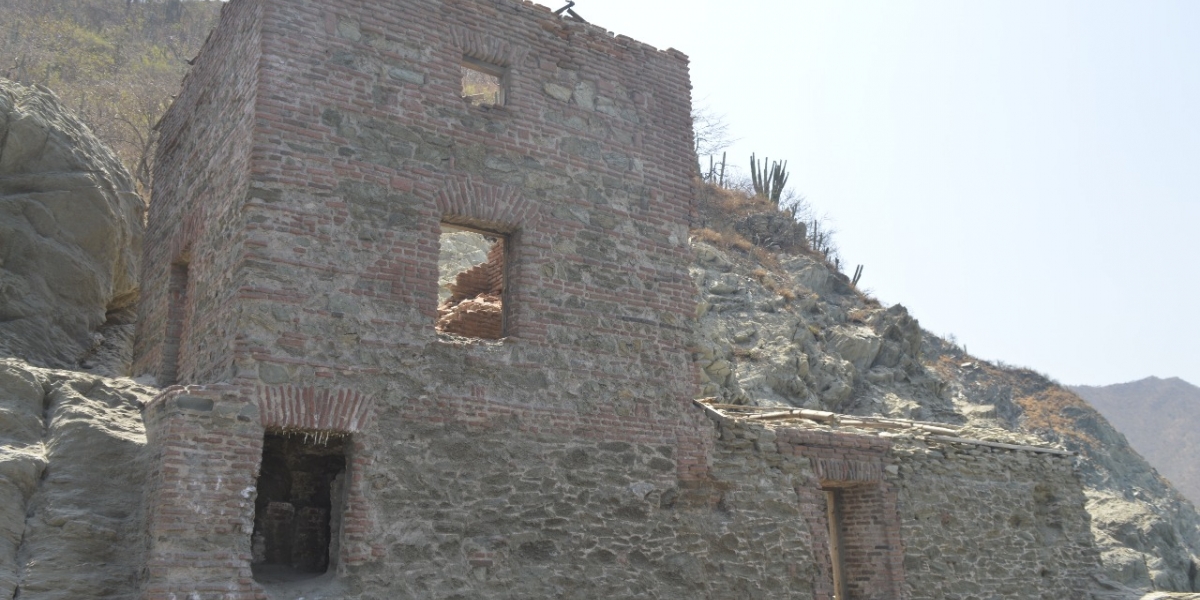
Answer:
(492, 509)
(201, 175)
(304, 176)
(205, 444)
(365, 147)
(919, 521)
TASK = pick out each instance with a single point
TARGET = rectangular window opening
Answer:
(471, 282)
(177, 297)
(482, 83)
(298, 510)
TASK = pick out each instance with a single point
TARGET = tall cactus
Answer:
(768, 183)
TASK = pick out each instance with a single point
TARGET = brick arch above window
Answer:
(482, 205)
(484, 47)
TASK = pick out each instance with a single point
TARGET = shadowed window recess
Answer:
(176, 315)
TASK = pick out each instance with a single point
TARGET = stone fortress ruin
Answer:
(335, 429)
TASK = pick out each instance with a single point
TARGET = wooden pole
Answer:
(1039, 449)
(833, 513)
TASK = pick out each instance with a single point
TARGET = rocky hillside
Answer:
(784, 328)
(1159, 417)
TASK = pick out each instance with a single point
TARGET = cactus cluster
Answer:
(715, 175)
(768, 182)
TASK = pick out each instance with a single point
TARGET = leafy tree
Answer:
(115, 62)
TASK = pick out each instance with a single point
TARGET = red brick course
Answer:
(313, 409)
(200, 503)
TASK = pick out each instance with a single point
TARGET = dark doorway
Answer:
(297, 515)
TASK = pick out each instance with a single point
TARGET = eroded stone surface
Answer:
(72, 474)
(70, 238)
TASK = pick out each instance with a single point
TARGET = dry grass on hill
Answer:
(720, 209)
(114, 63)
(728, 217)
(1045, 405)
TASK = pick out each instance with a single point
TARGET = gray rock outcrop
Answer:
(72, 471)
(71, 229)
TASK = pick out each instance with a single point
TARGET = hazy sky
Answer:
(1024, 175)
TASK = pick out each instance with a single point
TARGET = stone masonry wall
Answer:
(992, 523)
(200, 181)
(305, 175)
(361, 146)
(206, 451)
(494, 510)
(365, 147)
(921, 522)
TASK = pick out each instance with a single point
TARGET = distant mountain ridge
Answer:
(1161, 420)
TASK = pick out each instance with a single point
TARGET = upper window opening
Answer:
(471, 281)
(482, 83)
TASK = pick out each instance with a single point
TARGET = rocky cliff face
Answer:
(790, 331)
(71, 443)
(70, 238)
(1158, 416)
